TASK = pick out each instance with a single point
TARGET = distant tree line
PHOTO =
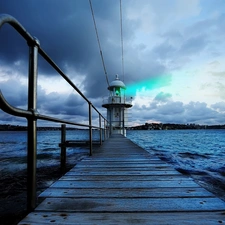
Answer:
(146, 126)
(173, 126)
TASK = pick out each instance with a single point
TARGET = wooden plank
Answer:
(126, 193)
(124, 172)
(131, 204)
(112, 157)
(68, 218)
(121, 184)
(133, 165)
(120, 163)
(123, 160)
(87, 177)
(149, 168)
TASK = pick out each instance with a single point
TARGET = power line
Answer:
(99, 45)
(121, 31)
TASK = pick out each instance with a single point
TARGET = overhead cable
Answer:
(121, 29)
(99, 45)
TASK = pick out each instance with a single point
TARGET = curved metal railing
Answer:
(32, 114)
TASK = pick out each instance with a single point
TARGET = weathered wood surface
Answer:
(123, 184)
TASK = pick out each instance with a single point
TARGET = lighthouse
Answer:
(117, 107)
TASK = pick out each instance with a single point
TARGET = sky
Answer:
(174, 53)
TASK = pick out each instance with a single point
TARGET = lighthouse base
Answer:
(119, 131)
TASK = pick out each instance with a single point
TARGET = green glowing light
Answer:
(150, 84)
(117, 91)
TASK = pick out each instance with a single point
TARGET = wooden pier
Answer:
(124, 184)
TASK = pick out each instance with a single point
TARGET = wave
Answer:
(196, 153)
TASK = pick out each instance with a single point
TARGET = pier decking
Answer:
(124, 184)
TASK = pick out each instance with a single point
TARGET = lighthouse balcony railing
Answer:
(32, 114)
(117, 100)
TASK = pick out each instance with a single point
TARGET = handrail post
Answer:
(100, 128)
(90, 128)
(107, 130)
(123, 122)
(63, 148)
(32, 126)
(104, 130)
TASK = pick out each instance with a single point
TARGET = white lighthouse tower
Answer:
(117, 106)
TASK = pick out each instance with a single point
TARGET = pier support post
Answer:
(63, 148)
(90, 128)
(105, 130)
(32, 126)
(123, 122)
(100, 128)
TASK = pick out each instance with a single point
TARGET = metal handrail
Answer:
(32, 114)
(6, 107)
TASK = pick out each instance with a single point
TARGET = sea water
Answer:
(13, 148)
(187, 149)
(190, 151)
(193, 152)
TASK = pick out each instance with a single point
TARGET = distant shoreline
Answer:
(146, 126)
(174, 126)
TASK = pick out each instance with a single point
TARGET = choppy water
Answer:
(13, 148)
(190, 151)
(195, 152)
(186, 149)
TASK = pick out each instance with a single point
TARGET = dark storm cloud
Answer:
(66, 32)
(8, 119)
(208, 27)
(62, 104)
(179, 53)
(178, 45)
(165, 50)
(52, 104)
(193, 45)
(17, 96)
(65, 106)
(201, 113)
(171, 108)
(220, 106)
(178, 112)
(55, 25)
